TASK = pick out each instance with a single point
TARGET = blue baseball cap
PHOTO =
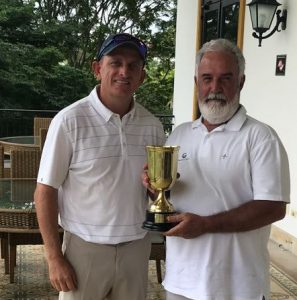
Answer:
(120, 39)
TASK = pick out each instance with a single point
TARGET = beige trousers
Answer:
(107, 272)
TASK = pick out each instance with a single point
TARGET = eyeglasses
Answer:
(113, 41)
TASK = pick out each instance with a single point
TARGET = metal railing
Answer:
(20, 122)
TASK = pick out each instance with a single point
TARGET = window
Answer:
(220, 19)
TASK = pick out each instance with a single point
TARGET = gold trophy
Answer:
(162, 172)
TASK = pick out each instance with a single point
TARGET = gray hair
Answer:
(222, 45)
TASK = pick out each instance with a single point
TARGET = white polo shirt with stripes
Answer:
(95, 159)
(220, 170)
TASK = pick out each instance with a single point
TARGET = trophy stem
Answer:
(156, 216)
(161, 204)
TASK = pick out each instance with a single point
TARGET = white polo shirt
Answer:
(95, 159)
(220, 170)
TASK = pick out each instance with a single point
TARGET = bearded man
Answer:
(234, 182)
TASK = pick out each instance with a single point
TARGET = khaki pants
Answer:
(107, 272)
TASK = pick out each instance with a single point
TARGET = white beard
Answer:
(216, 109)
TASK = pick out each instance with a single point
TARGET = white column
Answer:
(186, 33)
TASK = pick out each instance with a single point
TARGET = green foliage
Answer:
(153, 94)
(32, 78)
(47, 46)
(67, 84)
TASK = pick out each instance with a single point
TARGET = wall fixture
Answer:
(262, 13)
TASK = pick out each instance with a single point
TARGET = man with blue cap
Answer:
(89, 183)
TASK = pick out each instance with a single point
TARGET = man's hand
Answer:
(146, 183)
(189, 225)
(248, 216)
(62, 274)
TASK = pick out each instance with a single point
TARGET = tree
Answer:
(46, 47)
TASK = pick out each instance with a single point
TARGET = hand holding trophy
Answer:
(162, 172)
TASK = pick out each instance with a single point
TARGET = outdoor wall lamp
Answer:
(262, 13)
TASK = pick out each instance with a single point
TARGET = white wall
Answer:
(185, 60)
(269, 98)
(272, 99)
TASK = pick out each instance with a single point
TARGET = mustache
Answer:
(215, 97)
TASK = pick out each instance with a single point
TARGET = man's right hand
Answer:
(146, 181)
(62, 274)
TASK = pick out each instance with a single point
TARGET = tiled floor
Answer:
(31, 281)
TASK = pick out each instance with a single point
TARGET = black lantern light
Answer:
(262, 14)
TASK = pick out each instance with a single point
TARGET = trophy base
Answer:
(156, 221)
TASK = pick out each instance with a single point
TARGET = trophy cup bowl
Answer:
(162, 172)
